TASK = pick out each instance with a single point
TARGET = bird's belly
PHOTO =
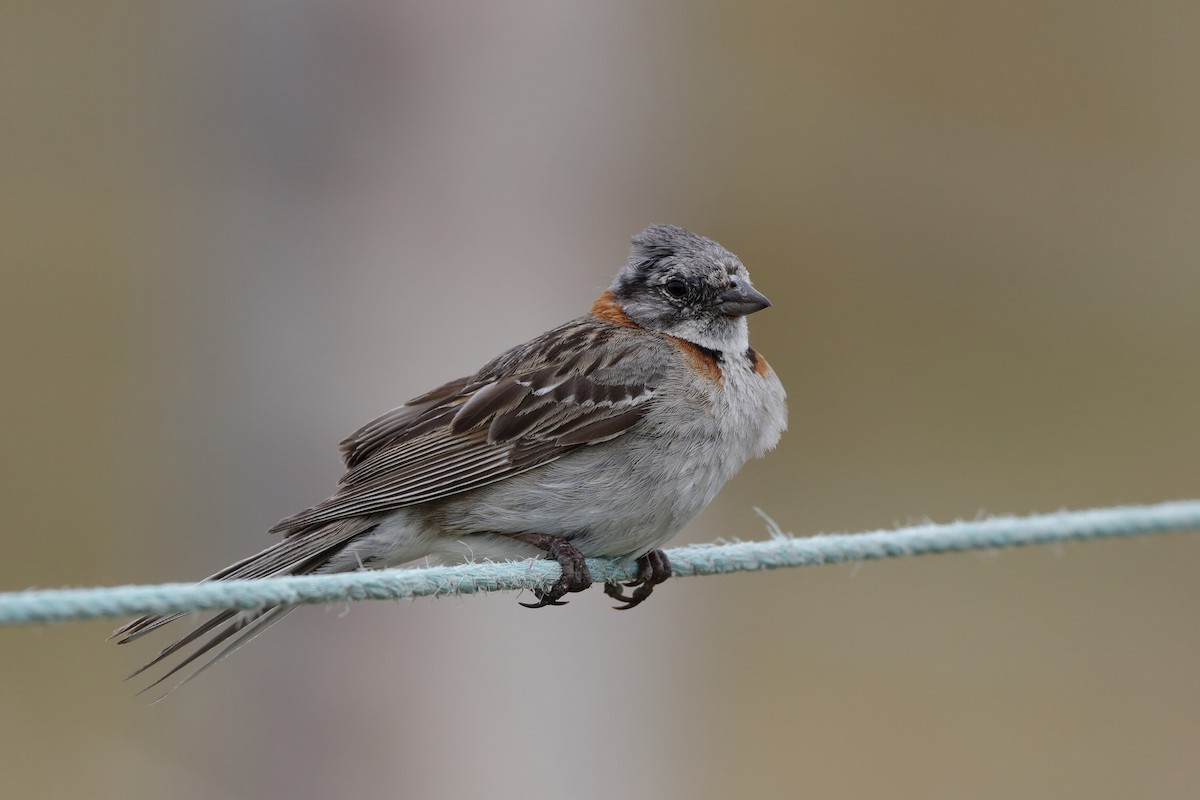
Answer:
(621, 498)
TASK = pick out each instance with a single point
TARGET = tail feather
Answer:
(183, 642)
(278, 559)
(299, 554)
(244, 627)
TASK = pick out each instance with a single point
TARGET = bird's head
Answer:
(685, 285)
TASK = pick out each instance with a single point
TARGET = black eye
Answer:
(676, 288)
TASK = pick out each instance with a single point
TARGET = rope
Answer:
(60, 605)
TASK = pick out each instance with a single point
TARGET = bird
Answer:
(602, 437)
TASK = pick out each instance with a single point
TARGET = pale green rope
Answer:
(59, 605)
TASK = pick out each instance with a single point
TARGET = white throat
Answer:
(731, 336)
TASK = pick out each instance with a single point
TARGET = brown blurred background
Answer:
(232, 232)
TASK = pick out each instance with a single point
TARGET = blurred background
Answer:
(232, 232)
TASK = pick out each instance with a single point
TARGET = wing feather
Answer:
(579, 385)
(360, 445)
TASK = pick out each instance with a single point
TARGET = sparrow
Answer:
(600, 438)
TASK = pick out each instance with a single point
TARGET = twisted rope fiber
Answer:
(60, 605)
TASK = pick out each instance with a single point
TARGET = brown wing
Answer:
(581, 384)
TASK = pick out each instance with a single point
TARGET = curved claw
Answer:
(630, 601)
(613, 590)
(547, 598)
(575, 575)
(653, 569)
(543, 601)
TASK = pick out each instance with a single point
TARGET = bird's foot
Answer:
(575, 575)
(653, 569)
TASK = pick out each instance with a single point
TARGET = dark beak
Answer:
(741, 299)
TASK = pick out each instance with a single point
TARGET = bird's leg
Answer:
(653, 569)
(575, 575)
